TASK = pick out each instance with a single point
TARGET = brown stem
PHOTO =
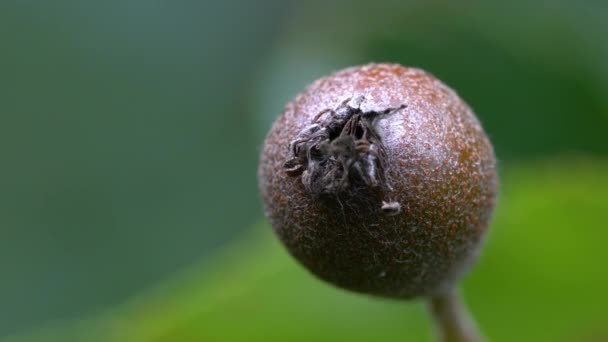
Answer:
(452, 319)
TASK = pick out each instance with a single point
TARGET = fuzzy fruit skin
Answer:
(442, 171)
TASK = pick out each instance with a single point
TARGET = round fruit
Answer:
(380, 179)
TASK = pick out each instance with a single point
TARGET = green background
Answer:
(129, 136)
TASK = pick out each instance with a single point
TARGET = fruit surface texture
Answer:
(380, 179)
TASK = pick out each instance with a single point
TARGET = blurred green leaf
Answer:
(534, 72)
(538, 279)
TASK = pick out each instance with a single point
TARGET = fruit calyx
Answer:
(340, 151)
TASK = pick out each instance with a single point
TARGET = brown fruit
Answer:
(379, 179)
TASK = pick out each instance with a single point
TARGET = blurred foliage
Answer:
(539, 279)
(122, 143)
(129, 133)
(535, 73)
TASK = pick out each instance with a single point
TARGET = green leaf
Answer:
(541, 277)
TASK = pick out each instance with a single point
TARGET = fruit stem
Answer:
(452, 319)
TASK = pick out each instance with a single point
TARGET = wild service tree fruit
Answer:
(380, 179)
